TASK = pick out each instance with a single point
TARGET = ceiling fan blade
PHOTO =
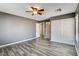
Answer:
(32, 14)
(39, 13)
(41, 10)
(32, 7)
(28, 11)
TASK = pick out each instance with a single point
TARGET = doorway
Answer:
(43, 30)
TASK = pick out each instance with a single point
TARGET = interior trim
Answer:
(70, 15)
(77, 50)
(76, 44)
(63, 16)
(17, 42)
(77, 9)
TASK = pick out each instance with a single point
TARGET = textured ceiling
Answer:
(50, 9)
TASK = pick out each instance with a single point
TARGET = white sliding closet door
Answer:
(63, 31)
(37, 29)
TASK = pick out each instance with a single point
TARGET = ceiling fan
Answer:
(36, 10)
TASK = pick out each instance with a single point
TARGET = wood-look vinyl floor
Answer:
(38, 47)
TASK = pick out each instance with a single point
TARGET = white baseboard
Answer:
(77, 50)
(17, 42)
(63, 42)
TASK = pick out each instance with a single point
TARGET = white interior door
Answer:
(63, 31)
(37, 29)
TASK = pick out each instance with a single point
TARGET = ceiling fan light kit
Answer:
(36, 10)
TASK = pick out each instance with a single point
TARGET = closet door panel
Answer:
(63, 31)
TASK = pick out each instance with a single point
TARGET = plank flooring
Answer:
(38, 47)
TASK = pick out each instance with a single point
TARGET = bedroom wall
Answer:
(15, 28)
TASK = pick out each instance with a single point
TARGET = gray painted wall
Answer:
(15, 28)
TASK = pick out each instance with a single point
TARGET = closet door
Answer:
(37, 29)
(48, 30)
(63, 31)
(56, 30)
(67, 31)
